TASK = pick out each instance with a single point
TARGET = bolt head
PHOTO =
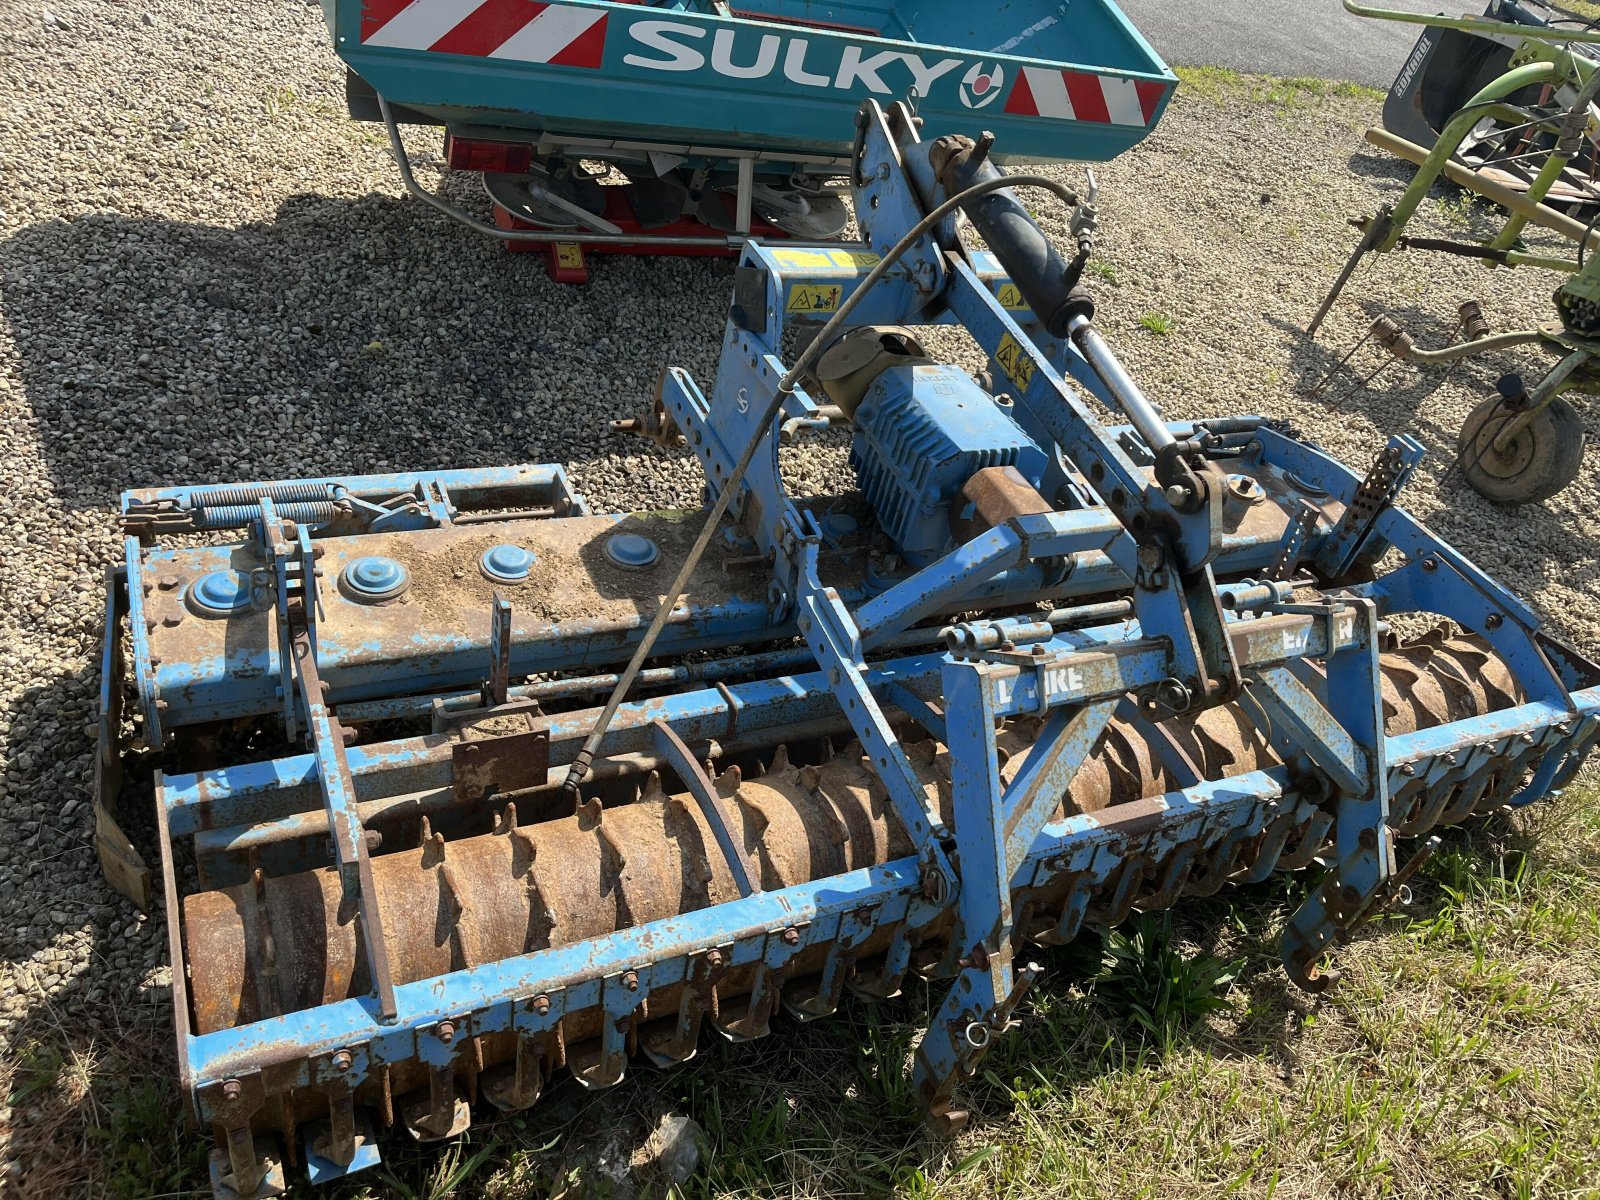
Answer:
(791, 937)
(631, 981)
(342, 1061)
(541, 1005)
(447, 1032)
(231, 1090)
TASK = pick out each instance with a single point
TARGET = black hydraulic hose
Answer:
(579, 769)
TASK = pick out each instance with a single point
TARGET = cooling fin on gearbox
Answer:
(923, 429)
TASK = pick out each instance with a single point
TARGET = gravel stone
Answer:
(208, 273)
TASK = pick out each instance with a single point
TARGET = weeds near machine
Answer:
(1148, 976)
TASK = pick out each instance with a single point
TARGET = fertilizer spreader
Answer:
(687, 126)
(1056, 659)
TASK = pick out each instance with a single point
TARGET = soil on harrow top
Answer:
(208, 273)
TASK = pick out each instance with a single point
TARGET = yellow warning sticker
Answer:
(814, 297)
(1011, 298)
(569, 254)
(824, 260)
(856, 260)
(1015, 362)
(801, 260)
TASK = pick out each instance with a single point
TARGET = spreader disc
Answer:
(515, 194)
(814, 218)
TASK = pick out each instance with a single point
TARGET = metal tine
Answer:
(1467, 798)
(444, 1114)
(884, 983)
(1311, 841)
(605, 1066)
(338, 1145)
(288, 1125)
(521, 1086)
(1224, 862)
(1273, 841)
(1031, 919)
(1410, 800)
(754, 1018)
(681, 1044)
(239, 1164)
(697, 999)
(1073, 911)
(1179, 867)
(1425, 815)
(1115, 910)
(837, 967)
(1503, 787)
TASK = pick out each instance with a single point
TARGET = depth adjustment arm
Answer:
(297, 606)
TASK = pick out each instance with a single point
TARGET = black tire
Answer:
(1542, 459)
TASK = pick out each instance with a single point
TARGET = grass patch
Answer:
(1158, 323)
(92, 1109)
(1221, 83)
(1104, 270)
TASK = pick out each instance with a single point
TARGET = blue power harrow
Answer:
(466, 786)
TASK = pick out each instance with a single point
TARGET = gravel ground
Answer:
(207, 274)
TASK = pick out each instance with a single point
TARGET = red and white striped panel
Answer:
(1080, 96)
(563, 35)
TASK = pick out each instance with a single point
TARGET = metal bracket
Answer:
(1302, 525)
(498, 685)
(1363, 845)
(124, 867)
(1347, 544)
(498, 765)
(240, 1170)
(344, 819)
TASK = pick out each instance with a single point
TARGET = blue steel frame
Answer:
(1185, 627)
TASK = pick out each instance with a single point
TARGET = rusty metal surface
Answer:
(493, 766)
(524, 888)
(996, 494)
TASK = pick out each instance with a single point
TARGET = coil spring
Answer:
(1474, 324)
(1392, 338)
(278, 493)
(237, 516)
(236, 507)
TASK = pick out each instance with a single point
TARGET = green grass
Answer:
(1157, 323)
(1222, 83)
(89, 1106)
(1104, 270)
